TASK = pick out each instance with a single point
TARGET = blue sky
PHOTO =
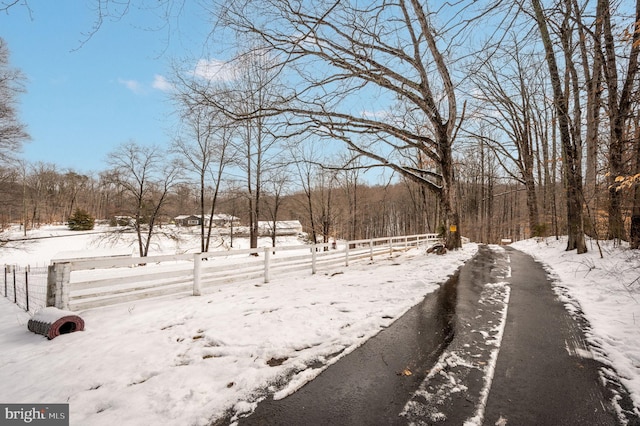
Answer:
(83, 100)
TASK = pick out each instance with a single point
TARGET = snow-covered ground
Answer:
(56, 242)
(186, 360)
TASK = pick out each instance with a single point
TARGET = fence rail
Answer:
(76, 284)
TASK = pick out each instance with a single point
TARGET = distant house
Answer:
(123, 221)
(187, 220)
(223, 219)
(283, 227)
(195, 220)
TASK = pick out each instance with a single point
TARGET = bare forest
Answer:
(486, 120)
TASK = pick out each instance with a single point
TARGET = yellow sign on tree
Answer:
(453, 228)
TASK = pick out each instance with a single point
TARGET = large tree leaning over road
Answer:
(370, 74)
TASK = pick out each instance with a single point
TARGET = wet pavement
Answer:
(372, 384)
(545, 374)
(492, 346)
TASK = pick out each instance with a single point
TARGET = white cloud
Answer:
(215, 70)
(132, 85)
(161, 83)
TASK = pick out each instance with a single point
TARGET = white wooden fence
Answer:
(72, 283)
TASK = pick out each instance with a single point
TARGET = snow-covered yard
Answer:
(186, 360)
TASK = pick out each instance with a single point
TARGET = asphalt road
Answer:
(545, 374)
(372, 384)
(492, 346)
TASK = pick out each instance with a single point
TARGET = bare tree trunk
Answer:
(620, 102)
(570, 150)
(615, 225)
(634, 234)
(593, 81)
(554, 177)
(448, 194)
(444, 130)
(202, 211)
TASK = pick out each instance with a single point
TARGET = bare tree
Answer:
(307, 167)
(620, 102)
(590, 48)
(13, 133)
(41, 187)
(350, 178)
(634, 237)
(145, 177)
(73, 187)
(570, 147)
(478, 170)
(236, 89)
(326, 186)
(276, 185)
(506, 93)
(11, 196)
(343, 52)
(204, 145)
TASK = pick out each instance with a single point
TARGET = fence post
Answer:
(65, 286)
(197, 265)
(346, 254)
(51, 285)
(6, 278)
(26, 285)
(267, 264)
(313, 258)
(15, 294)
(58, 285)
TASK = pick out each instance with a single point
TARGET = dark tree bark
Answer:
(592, 71)
(571, 152)
(634, 236)
(620, 102)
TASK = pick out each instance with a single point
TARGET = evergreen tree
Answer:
(81, 220)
